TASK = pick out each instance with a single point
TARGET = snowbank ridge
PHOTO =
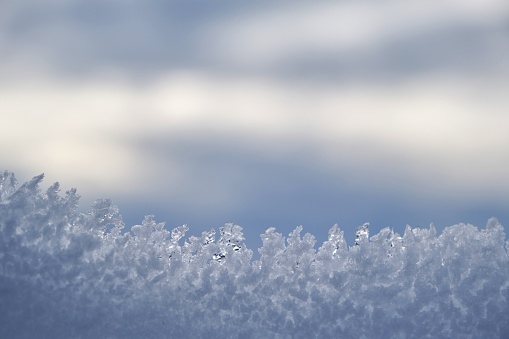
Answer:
(69, 275)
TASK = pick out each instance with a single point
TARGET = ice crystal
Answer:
(361, 233)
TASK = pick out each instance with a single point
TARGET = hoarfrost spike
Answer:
(361, 234)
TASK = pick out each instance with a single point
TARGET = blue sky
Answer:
(263, 114)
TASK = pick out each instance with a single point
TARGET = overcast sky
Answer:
(263, 113)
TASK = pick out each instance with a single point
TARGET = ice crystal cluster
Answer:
(65, 274)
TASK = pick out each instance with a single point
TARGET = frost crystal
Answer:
(361, 233)
(336, 239)
(395, 240)
(69, 275)
(231, 236)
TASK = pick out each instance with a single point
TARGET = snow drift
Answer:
(69, 275)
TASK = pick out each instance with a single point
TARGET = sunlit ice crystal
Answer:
(230, 239)
(361, 233)
(335, 238)
(231, 235)
(65, 274)
(395, 239)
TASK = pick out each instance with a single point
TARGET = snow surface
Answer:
(69, 275)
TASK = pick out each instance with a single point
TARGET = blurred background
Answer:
(263, 113)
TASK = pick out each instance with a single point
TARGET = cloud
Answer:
(346, 39)
(89, 38)
(120, 136)
(428, 130)
(330, 28)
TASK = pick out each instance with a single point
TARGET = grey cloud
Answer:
(91, 36)
(459, 50)
(143, 39)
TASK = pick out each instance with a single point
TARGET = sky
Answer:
(263, 113)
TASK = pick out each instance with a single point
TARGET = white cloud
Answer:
(441, 131)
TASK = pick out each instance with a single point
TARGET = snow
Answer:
(65, 274)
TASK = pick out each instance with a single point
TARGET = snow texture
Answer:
(69, 275)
